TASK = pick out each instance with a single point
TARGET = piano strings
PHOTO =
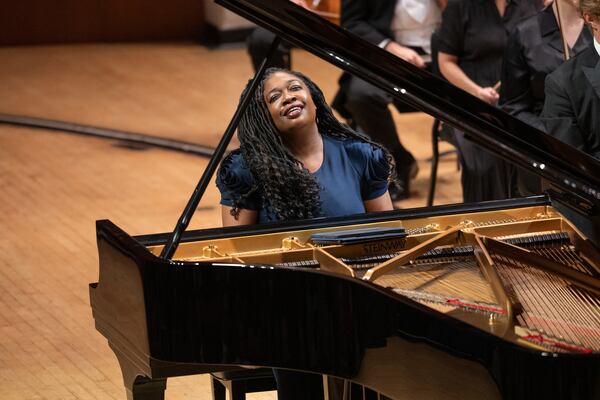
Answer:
(549, 312)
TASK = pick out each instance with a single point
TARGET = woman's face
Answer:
(289, 102)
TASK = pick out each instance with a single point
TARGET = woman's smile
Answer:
(289, 102)
(293, 111)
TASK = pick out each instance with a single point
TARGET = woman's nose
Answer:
(289, 97)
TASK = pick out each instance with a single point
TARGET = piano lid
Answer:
(569, 170)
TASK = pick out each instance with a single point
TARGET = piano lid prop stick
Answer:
(556, 8)
(171, 245)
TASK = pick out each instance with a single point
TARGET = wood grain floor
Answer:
(55, 185)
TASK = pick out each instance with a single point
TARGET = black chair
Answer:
(438, 129)
(439, 132)
(241, 381)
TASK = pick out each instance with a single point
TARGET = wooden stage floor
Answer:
(55, 185)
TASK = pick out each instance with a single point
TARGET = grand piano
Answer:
(496, 300)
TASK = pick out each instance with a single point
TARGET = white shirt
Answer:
(414, 21)
(597, 46)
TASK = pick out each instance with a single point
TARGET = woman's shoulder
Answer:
(533, 25)
(234, 173)
(365, 156)
(355, 147)
(234, 161)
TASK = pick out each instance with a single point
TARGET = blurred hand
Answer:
(301, 3)
(488, 94)
(443, 3)
(405, 53)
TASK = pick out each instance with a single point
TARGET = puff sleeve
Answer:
(372, 166)
(450, 35)
(235, 182)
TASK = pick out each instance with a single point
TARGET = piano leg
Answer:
(335, 388)
(218, 390)
(344, 389)
(138, 385)
(147, 389)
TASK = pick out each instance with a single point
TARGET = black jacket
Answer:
(369, 19)
(572, 109)
(534, 50)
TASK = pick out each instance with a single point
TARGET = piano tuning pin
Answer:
(468, 223)
(433, 227)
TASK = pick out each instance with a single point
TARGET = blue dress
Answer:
(352, 172)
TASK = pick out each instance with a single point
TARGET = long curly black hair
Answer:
(287, 189)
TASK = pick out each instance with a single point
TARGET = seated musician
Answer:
(297, 161)
(535, 49)
(471, 45)
(572, 108)
(259, 42)
(404, 29)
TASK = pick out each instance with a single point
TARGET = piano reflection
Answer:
(497, 300)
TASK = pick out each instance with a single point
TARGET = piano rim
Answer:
(109, 231)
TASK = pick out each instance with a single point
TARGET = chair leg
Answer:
(218, 390)
(434, 161)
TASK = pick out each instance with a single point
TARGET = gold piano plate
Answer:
(493, 270)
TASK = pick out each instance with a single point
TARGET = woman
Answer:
(535, 49)
(297, 161)
(471, 45)
(571, 111)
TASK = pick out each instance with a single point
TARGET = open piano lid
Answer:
(573, 174)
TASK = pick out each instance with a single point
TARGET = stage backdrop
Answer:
(77, 21)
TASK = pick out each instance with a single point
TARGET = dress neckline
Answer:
(323, 138)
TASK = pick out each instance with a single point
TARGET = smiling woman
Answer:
(297, 161)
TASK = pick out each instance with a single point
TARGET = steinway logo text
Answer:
(387, 246)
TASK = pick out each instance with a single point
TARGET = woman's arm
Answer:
(245, 217)
(405, 53)
(381, 203)
(448, 65)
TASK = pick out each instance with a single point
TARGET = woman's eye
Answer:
(295, 87)
(273, 98)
